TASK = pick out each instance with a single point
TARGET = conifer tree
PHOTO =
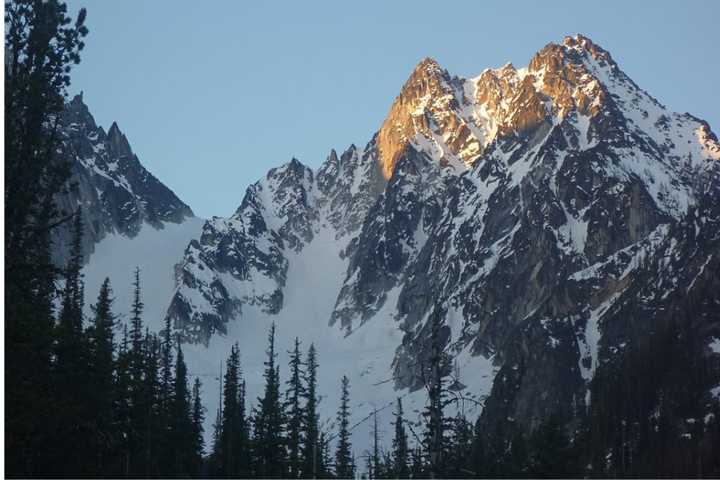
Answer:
(269, 422)
(41, 45)
(375, 459)
(229, 444)
(245, 456)
(70, 342)
(166, 365)
(167, 450)
(198, 442)
(181, 424)
(344, 462)
(400, 445)
(149, 421)
(136, 328)
(294, 411)
(215, 461)
(101, 372)
(231, 441)
(123, 407)
(140, 386)
(311, 447)
(72, 355)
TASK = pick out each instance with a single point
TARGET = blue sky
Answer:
(213, 94)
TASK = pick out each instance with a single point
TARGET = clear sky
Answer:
(211, 94)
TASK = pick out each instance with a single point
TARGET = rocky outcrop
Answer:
(244, 260)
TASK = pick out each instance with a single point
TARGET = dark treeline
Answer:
(117, 407)
(80, 402)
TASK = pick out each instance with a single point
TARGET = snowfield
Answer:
(156, 252)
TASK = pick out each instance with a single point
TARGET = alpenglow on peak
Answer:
(457, 118)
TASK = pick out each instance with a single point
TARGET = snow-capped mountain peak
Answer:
(542, 211)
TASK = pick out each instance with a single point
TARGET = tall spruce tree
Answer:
(181, 422)
(123, 408)
(101, 374)
(244, 439)
(72, 355)
(198, 442)
(375, 457)
(400, 445)
(294, 411)
(70, 344)
(215, 460)
(41, 45)
(311, 448)
(140, 390)
(344, 462)
(167, 449)
(149, 421)
(229, 444)
(136, 328)
(269, 421)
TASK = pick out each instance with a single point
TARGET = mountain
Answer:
(561, 221)
(115, 192)
(130, 218)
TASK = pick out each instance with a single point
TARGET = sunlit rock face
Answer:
(458, 118)
(431, 105)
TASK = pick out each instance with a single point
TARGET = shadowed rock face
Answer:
(116, 193)
(537, 209)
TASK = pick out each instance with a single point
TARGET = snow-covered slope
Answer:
(155, 251)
